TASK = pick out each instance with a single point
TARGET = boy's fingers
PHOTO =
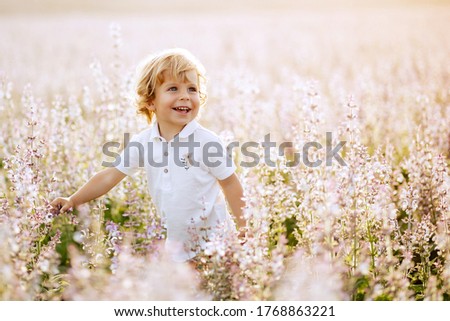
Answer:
(55, 202)
(65, 208)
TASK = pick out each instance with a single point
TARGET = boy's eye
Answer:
(172, 89)
(193, 89)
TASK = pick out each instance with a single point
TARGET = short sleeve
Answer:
(218, 159)
(131, 159)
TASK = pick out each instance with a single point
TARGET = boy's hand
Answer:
(63, 204)
(242, 236)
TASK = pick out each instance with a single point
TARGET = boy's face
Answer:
(176, 102)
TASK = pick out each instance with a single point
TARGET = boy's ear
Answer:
(151, 106)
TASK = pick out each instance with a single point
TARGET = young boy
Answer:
(184, 162)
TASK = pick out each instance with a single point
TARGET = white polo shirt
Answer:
(182, 180)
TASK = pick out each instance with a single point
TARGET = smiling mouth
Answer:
(182, 109)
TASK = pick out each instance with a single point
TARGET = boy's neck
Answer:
(168, 133)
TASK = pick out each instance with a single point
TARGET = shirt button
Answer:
(166, 153)
(166, 170)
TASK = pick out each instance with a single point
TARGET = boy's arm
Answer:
(234, 194)
(100, 184)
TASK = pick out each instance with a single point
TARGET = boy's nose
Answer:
(184, 95)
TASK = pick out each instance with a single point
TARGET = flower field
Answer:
(375, 77)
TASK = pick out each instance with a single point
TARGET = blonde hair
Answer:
(176, 62)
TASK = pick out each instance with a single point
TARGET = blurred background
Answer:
(256, 53)
(44, 40)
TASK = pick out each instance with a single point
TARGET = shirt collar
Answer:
(185, 132)
(154, 134)
(188, 129)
